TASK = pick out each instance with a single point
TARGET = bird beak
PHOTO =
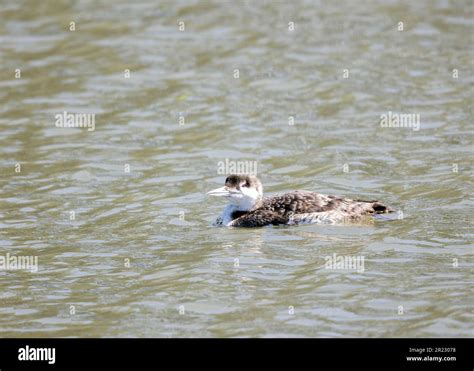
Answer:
(220, 192)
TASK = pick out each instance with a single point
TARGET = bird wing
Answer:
(297, 202)
(259, 218)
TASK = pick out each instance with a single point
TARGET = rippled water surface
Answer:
(141, 258)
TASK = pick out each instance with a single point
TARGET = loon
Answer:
(248, 208)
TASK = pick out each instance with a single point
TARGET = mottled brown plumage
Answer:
(295, 207)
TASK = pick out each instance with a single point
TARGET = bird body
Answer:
(248, 208)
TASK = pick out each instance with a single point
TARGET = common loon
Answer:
(248, 208)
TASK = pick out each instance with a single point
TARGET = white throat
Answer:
(243, 204)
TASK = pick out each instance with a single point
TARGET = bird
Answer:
(248, 208)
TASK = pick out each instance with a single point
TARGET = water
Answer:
(141, 258)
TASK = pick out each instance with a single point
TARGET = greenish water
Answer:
(141, 257)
